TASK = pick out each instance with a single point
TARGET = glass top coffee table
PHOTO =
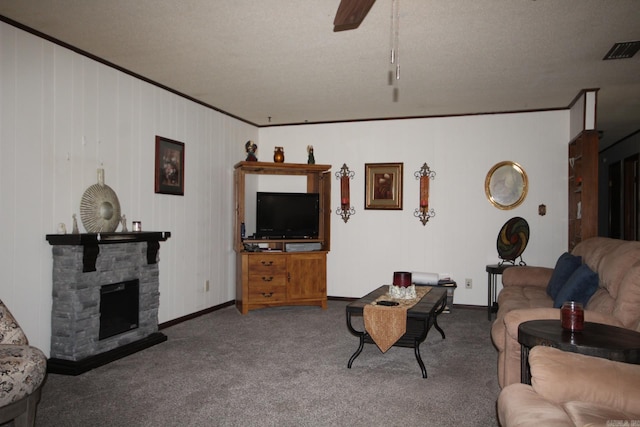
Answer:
(420, 318)
(597, 339)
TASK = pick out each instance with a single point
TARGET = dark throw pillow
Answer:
(582, 284)
(565, 266)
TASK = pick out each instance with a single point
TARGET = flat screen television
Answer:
(287, 215)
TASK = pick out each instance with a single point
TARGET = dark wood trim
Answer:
(191, 316)
(83, 239)
(471, 307)
(346, 299)
(435, 116)
(117, 67)
(580, 95)
(175, 92)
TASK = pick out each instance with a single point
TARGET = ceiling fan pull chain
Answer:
(392, 32)
(395, 37)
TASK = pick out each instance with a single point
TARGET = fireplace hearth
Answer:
(105, 298)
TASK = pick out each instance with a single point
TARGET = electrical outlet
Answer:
(206, 286)
(468, 283)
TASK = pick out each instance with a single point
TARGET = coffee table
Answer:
(420, 318)
(597, 339)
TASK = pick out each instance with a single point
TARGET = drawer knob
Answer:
(267, 294)
(267, 262)
(267, 279)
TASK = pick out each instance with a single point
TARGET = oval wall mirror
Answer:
(506, 185)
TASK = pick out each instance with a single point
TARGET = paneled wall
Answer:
(62, 116)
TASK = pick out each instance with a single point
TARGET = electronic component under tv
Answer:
(287, 215)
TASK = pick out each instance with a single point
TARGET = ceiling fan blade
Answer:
(351, 13)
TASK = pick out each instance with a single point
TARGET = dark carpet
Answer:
(285, 367)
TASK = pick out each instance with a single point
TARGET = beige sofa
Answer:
(571, 389)
(524, 297)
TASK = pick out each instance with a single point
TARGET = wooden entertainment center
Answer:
(272, 276)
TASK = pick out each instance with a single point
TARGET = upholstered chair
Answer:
(22, 372)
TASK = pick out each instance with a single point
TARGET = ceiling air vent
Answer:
(623, 50)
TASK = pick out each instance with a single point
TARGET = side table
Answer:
(597, 339)
(493, 270)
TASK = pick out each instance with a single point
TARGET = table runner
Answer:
(386, 324)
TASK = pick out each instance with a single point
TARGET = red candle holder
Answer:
(402, 279)
(572, 316)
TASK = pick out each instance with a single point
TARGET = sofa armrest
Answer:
(10, 331)
(526, 276)
(562, 377)
(513, 318)
(519, 405)
(510, 348)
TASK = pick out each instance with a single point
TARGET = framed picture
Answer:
(169, 166)
(383, 186)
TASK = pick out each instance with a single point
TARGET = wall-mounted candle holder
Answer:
(423, 212)
(345, 210)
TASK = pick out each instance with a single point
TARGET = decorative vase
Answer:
(278, 155)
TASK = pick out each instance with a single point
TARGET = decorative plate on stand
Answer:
(512, 240)
(100, 208)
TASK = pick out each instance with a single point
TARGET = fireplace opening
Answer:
(119, 307)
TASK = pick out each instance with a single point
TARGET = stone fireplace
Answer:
(105, 298)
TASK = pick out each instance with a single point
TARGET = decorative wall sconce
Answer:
(542, 210)
(345, 210)
(423, 212)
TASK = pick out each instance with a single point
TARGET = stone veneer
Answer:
(75, 317)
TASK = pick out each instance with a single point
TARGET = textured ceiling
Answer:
(272, 62)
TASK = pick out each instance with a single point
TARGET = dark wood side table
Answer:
(597, 339)
(493, 270)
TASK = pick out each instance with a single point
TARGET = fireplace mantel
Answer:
(106, 238)
(92, 241)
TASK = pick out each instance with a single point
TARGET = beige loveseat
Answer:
(524, 297)
(571, 389)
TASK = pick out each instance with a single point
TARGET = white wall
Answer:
(63, 115)
(461, 238)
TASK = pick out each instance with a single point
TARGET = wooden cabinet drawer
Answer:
(266, 293)
(272, 265)
(267, 279)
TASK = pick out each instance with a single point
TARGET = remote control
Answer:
(387, 303)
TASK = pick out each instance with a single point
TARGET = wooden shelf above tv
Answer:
(281, 168)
